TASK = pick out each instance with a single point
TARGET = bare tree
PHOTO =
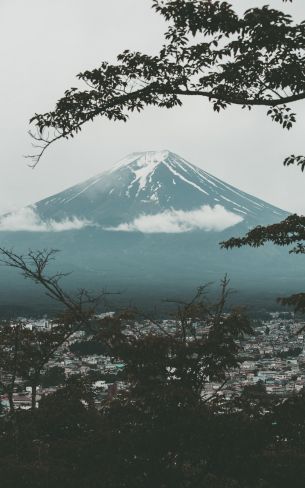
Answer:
(26, 353)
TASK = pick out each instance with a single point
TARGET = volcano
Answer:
(156, 184)
(152, 225)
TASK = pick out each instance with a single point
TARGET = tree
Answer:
(164, 429)
(10, 364)
(53, 377)
(290, 231)
(201, 347)
(256, 59)
(160, 430)
(25, 353)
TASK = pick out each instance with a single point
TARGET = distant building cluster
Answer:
(274, 356)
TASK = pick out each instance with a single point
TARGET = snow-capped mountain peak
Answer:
(142, 159)
(142, 165)
(154, 191)
(152, 221)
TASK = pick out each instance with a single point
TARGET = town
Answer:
(273, 356)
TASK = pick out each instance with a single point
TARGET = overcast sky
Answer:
(45, 43)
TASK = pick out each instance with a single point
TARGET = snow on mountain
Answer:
(155, 191)
(151, 225)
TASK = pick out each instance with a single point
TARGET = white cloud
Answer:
(177, 221)
(27, 219)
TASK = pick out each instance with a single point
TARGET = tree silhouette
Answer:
(256, 59)
(162, 429)
(289, 232)
(25, 353)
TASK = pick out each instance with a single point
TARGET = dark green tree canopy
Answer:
(209, 51)
(289, 232)
(286, 233)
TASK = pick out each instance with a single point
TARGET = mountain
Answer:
(151, 226)
(152, 183)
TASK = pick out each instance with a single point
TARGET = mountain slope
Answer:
(151, 183)
(152, 225)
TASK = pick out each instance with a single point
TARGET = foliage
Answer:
(88, 347)
(155, 433)
(25, 352)
(184, 357)
(163, 429)
(53, 377)
(292, 352)
(159, 431)
(256, 59)
(286, 233)
(289, 231)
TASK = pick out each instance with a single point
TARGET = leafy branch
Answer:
(256, 59)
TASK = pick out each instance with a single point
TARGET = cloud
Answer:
(27, 219)
(177, 221)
